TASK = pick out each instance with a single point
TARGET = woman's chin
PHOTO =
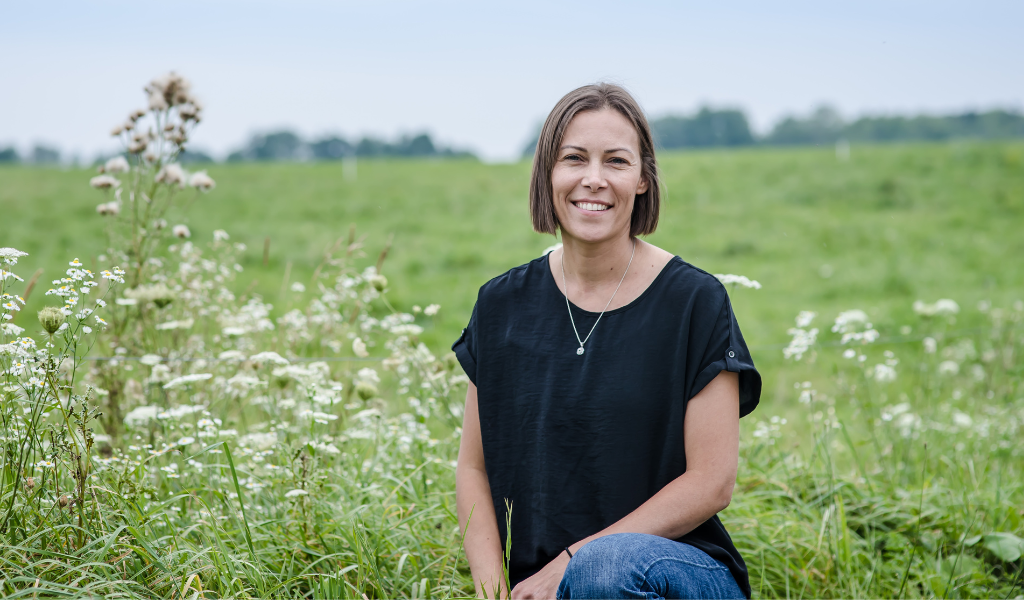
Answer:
(589, 234)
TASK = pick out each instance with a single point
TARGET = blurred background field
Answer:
(886, 226)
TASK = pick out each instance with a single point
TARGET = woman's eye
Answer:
(574, 157)
(619, 161)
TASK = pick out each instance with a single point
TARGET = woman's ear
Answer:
(641, 187)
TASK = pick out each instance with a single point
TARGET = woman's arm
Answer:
(711, 434)
(473, 495)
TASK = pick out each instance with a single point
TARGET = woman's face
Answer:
(597, 174)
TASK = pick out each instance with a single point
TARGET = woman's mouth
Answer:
(591, 206)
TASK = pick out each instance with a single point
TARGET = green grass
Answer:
(895, 224)
(867, 489)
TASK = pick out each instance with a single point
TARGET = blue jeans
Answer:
(638, 565)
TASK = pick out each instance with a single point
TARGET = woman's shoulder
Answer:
(515, 281)
(688, 280)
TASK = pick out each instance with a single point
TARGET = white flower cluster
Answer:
(855, 327)
(943, 307)
(803, 338)
(738, 280)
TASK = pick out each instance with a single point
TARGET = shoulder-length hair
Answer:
(646, 206)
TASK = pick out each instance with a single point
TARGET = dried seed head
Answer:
(117, 130)
(171, 174)
(201, 181)
(137, 114)
(104, 182)
(157, 102)
(118, 164)
(169, 127)
(181, 231)
(150, 157)
(379, 282)
(51, 318)
(30, 483)
(109, 208)
(64, 501)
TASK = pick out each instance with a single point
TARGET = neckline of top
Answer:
(635, 301)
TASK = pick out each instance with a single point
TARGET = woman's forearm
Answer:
(679, 508)
(480, 529)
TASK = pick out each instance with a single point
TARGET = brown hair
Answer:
(644, 219)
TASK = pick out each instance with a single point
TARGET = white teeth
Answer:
(591, 206)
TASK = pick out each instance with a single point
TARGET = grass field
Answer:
(851, 483)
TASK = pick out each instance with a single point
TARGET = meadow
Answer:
(261, 438)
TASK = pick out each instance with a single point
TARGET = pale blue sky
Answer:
(481, 75)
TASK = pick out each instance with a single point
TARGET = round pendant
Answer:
(579, 351)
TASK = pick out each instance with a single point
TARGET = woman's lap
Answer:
(637, 565)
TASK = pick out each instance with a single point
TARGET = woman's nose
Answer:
(593, 178)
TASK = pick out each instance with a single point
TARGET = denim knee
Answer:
(604, 568)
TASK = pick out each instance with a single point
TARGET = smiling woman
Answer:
(607, 451)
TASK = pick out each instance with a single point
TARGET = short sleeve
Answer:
(726, 351)
(465, 347)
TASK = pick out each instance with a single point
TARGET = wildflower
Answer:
(99, 320)
(884, 373)
(949, 367)
(298, 288)
(942, 307)
(431, 310)
(740, 280)
(171, 174)
(379, 282)
(260, 441)
(805, 317)
(11, 255)
(849, 353)
(181, 231)
(185, 441)
(359, 348)
(268, 357)
(157, 102)
(296, 493)
(118, 164)
(112, 208)
(116, 276)
(177, 324)
(366, 390)
(219, 235)
(141, 415)
(962, 420)
(51, 319)
(104, 182)
(86, 329)
(930, 345)
(201, 181)
(150, 359)
(36, 382)
(187, 379)
(45, 464)
(849, 320)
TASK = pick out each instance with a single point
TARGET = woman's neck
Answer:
(594, 265)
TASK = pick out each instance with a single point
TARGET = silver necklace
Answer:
(561, 260)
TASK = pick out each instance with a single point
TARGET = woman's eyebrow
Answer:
(613, 150)
(610, 151)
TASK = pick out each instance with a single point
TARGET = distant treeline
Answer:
(286, 145)
(715, 128)
(707, 128)
(283, 145)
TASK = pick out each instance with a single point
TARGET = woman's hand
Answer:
(544, 583)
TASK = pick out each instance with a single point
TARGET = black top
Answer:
(576, 442)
